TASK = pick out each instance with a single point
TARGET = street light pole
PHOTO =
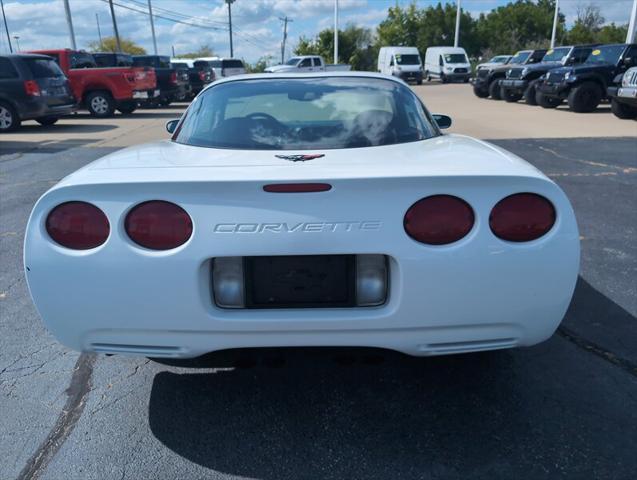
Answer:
(555, 18)
(6, 27)
(119, 45)
(69, 23)
(632, 25)
(335, 32)
(152, 25)
(457, 36)
(230, 2)
(99, 30)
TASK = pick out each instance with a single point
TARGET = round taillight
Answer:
(522, 217)
(439, 220)
(158, 225)
(77, 225)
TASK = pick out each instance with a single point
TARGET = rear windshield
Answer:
(43, 68)
(556, 55)
(407, 59)
(520, 57)
(112, 60)
(455, 58)
(305, 113)
(82, 60)
(231, 64)
(179, 65)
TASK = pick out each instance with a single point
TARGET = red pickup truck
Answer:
(102, 90)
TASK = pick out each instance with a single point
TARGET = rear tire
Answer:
(127, 108)
(100, 104)
(529, 93)
(9, 120)
(419, 81)
(46, 121)
(508, 96)
(622, 110)
(547, 102)
(584, 98)
(494, 90)
(443, 78)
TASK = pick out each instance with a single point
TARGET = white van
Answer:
(403, 62)
(447, 64)
(225, 67)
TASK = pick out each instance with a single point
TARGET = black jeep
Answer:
(585, 85)
(623, 95)
(520, 80)
(487, 80)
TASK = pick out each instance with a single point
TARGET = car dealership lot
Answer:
(566, 407)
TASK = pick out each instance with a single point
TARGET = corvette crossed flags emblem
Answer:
(300, 158)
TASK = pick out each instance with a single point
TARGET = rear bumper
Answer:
(517, 86)
(480, 293)
(627, 95)
(38, 108)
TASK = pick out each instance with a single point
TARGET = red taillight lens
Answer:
(439, 220)
(32, 88)
(158, 225)
(77, 225)
(522, 217)
(173, 78)
(202, 76)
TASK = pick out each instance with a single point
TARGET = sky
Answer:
(256, 23)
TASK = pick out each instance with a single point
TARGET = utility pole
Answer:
(335, 32)
(632, 25)
(230, 2)
(99, 30)
(285, 36)
(555, 18)
(457, 37)
(119, 45)
(173, 49)
(152, 26)
(6, 27)
(69, 23)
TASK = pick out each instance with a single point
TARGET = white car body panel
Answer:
(480, 293)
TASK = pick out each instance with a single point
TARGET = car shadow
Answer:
(11, 147)
(368, 413)
(65, 125)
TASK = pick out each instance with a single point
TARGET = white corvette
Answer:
(303, 210)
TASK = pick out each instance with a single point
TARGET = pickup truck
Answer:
(520, 80)
(307, 64)
(102, 90)
(584, 86)
(200, 73)
(173, 83)
(623, 94)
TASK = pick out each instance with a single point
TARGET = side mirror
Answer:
(628, 61)
(443, 121)
(171, 125)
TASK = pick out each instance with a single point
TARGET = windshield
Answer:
(410, 59)
(298, 114)
(606, 54)
(231, 64)
(455, 58)
(520, 57)
(43, 67)
(293, 61)
(556, 55)
(499, 59)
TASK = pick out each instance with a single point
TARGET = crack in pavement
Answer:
(78, 389)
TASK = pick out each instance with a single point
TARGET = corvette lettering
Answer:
(302, 227)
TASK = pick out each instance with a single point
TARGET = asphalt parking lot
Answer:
(566, 408)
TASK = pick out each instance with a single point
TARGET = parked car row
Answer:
(582, 75)
(45, 85)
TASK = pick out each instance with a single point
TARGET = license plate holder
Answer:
(300, 281)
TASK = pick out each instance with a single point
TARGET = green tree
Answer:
(109, 44)
(202, 51)
(355, 46)
(259, 66)
(589, 28)
(519, 24)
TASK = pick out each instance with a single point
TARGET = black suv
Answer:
(520, 81)
(487, 80)
(200, 73)
(32, 87)
(623, 95)
(585, 85)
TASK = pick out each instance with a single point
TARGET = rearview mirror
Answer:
(171, 125)
(443, 121)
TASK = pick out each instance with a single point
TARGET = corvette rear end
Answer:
(436, 246)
